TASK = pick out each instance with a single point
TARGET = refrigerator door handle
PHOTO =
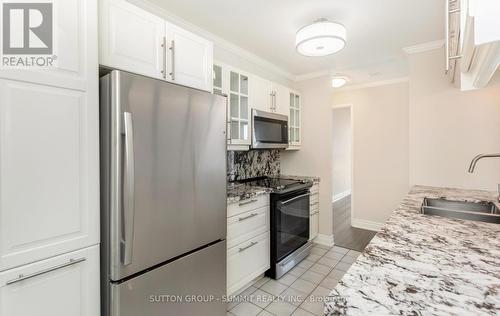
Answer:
(128, 191)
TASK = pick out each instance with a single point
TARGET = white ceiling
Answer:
(377, 30)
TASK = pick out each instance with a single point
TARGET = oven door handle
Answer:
(294, 198)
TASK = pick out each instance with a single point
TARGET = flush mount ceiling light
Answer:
(339, 81)
(321, 38)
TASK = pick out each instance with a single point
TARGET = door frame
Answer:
(351, 134)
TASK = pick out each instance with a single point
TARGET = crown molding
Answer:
(218, 41)
(312, 75)
(373, 84)
(424, 47)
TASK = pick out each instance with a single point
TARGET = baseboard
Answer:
(364, 224)
(325, 240)
(340, 196)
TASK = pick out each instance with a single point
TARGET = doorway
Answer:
(342, 182)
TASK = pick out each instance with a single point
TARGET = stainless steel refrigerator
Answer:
(163, 198)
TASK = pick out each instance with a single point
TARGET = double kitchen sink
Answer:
(475, 211)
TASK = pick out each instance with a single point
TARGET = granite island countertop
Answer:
(425, 265)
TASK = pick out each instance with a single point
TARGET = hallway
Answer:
(344, 235)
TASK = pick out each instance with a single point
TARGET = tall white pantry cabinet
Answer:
(49, 175)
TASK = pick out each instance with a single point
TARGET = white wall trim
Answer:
(218, 41)
(424, 47)
(341, 195)
(325, 240)
(365, 224)
(373, 84)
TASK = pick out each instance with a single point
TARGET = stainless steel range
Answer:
(289, 222)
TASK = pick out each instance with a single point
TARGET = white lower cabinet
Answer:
(248, 241)
(247, 261)
(247, 225)
(313, 225)
(66, 285)
(314, 211)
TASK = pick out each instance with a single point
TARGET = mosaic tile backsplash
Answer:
(243, 165)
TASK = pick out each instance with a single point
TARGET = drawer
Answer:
(247, 225)
(314, 209)
(313, 226)
(247, 205)
(314, 200)
(247, 261)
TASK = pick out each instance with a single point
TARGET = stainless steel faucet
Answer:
(479, 157)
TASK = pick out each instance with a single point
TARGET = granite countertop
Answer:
(240, 191)
(425, 265)
(311, 178)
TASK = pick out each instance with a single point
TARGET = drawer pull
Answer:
(32, 275)
(241, 219)
(248, 202)
(249, 246)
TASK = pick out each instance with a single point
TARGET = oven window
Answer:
(292, 224)
(270, 131)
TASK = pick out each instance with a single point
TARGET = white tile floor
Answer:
(300, 292)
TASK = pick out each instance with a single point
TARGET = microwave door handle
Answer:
(294, 198)
(128, 190)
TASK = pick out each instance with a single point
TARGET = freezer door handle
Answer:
(128, 191)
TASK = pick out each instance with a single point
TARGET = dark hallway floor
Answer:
(345, 235)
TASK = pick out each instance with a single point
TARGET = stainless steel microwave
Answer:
(269, 130)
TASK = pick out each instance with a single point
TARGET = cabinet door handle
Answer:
(241, 219)
(128, 190)
(22, 277)
(247, 202)
(447, 35)
(253, 243)
(164, 46)
(172, 49)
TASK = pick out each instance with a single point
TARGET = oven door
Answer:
(292, 223)
(269, 130)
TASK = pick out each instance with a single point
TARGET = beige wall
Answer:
(341, 151)
(315, 156)
(424, 132)
(380, 149)
(449, 127)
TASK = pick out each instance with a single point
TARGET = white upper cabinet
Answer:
(189, 57)
(295, 121)
(472, 42)
(66, 285)
(138, 41)
(281, 99)
(261, 97)
(269, 96)
(75, 47)
(131, 38)
(49, 147)
(238, 109)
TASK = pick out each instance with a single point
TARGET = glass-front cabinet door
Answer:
(217, 75)
(234, 84)
(295, 121)
(239, 113)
